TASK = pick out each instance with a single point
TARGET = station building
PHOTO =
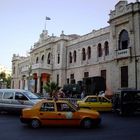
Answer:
(112, 52)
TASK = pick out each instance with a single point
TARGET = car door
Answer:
(47, 113)
(20, 101)
(92, 103)
(66, 115)
(104, 104)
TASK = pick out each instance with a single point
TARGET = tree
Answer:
(5, 80)
(3, 76)
(51, 87)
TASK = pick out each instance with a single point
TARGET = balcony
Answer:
(37, 66)
(24, 69)
(41, 66)
(122, 53)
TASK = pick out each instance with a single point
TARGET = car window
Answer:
(102, 99)
(1, 95)
(31, 95)
(20, 96)
(47, 106)
(8, 95)
(91, 99)
(64, 107)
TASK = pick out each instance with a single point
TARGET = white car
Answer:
(14, 100)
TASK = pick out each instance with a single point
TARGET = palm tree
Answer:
(51, 87)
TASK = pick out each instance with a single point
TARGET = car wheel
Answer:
(86, 123)
(35, 123)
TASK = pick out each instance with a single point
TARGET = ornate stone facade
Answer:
(112, 52)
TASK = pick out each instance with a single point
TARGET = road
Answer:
(112, 128)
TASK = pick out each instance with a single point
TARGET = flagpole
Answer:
(47, 18)
(45, 25)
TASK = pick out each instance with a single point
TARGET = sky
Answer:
(22, 21)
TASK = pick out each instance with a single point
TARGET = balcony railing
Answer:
(123, 53)
(41, 66)
(37, 66)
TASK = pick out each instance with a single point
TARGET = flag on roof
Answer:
(47, 18)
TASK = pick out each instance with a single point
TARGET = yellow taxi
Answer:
(50, 112)
(99, 103)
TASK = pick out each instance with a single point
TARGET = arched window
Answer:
(106, 48)
(37, 60)
(42, 58)
(70, 57)
(99, 50)
(83, 54)
(49, 58)
(89, 52)
(74, 56)
(123, 40)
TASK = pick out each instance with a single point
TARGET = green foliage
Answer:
(3, 76)
(5, 79)
(50, 87)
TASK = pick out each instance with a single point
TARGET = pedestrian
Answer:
(55, 95)
(61, 93)
(82, 95)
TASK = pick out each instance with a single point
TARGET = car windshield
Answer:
(31, 95)
(84, 98)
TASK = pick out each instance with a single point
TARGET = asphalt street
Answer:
(112, 127)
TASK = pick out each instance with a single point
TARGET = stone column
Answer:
(26, 84)
(21, 84)
(38, 84)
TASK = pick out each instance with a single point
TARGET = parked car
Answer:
(58, 113)
(99, 103)
(14, 100)
(126, 101)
